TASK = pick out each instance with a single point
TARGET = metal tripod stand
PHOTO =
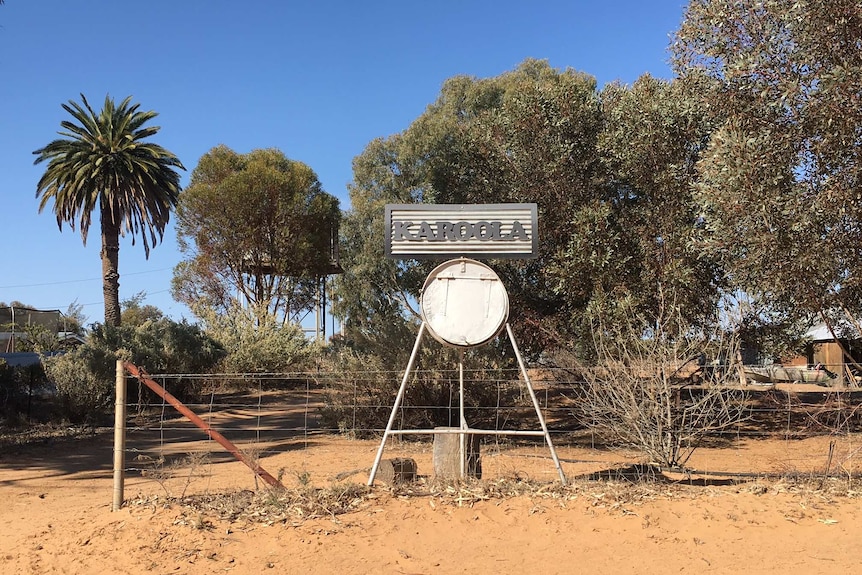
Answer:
(463, 429)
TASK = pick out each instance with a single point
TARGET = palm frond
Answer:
(102, 161)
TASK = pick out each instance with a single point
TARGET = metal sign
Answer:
(430, 231)
(464, 303)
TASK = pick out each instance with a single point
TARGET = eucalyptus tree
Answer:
(780, 181)
(257, 229)
(611, 174)
(642, 233)
(526, 136)
(103, 163)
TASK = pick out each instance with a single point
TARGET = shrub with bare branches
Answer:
(654, 389)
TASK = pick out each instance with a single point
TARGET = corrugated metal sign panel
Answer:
(430, 231)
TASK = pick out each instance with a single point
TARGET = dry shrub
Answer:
(164, 471)
(295, 505)
(272, 506)
(360, 390)
(645, 395)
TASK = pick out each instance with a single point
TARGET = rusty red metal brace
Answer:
(144, 378)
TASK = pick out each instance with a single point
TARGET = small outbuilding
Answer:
(841, 356)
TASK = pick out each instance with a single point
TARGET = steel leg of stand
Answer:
(463, 423)
(398, 400)
(536, 404)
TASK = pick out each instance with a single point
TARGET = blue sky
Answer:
(318, 80)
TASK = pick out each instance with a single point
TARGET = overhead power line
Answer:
(81, 280)
(149, 293)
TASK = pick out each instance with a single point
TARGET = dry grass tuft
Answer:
(469, 492)
(294, 505)
(270, 506)
(163, 471)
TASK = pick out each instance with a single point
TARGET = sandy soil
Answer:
(55, 516)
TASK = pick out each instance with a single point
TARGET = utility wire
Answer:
(149, 293)
(83, 280)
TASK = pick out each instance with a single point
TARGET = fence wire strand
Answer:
(273, 411)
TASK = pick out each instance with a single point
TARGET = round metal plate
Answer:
(464, 303)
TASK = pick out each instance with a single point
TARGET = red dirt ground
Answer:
(55, 516)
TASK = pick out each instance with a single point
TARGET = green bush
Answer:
(255, 342)
(85, 377)
(161, 345)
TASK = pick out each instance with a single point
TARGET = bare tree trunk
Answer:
(110, 275)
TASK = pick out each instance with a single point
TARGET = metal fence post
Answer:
(119, 437)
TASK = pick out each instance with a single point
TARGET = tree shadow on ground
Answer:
(90, 455)
(646, 473)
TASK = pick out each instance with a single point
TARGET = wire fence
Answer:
(299, 416)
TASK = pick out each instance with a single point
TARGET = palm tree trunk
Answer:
(110, 275)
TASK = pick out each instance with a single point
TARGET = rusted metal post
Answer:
(144, 378)
(119, 437)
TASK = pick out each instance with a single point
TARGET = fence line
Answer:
(278, 413)
(250, 391)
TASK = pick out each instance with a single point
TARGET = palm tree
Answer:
(103, 163)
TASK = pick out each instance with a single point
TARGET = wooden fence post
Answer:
(119, 437)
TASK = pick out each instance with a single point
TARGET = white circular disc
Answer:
(464, 303)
